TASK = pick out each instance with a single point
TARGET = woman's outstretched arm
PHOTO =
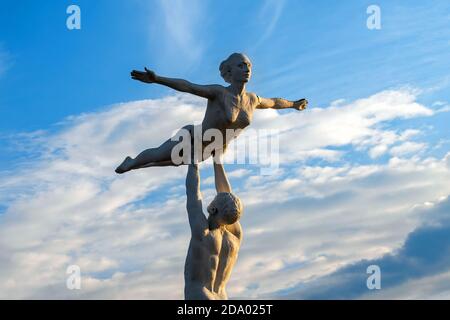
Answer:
(279, 103)
(205, 91)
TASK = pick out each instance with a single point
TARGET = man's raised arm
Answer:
(197, 220)
(222, 183)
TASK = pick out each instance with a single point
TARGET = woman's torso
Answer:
(228, 111)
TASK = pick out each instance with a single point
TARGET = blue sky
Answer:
(70, 112)
(303, 45)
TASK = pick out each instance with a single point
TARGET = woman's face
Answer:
(241, 69)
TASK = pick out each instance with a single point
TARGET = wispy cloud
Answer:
(182, 30)
(268, 15)
(129, 234)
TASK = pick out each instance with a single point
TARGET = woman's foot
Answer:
(125, 166)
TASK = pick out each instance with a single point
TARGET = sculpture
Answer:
(215, 241)
(229, 107)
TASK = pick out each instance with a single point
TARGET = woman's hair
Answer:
(225, 66)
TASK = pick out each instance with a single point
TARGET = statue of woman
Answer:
(228, 107)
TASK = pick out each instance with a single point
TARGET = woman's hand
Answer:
(300, 104)
(148, 76)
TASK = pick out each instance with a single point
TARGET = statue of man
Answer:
(215, 240)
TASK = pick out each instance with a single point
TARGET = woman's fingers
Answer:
(149, 71)
(303, 101)
(146, 76)
(301, 104)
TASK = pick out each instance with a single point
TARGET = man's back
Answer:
(215, 241)
(209, 263)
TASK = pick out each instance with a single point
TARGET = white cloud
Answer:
(70, 206)
(238, 173)
(443, 109)
(441, 106)
(359, 124)
(407, 148)
(377, 151)
(412, 271)
(325, 154)
(408, 134)
(130, 235)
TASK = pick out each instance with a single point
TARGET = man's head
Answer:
(226, 208)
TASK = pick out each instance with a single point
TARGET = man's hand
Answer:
(300, 104)
(148, 76)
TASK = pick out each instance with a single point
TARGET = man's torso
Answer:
(210, 261)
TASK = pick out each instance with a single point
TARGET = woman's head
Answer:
(226, 208)
(236, 68)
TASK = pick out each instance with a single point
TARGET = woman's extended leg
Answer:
(156, 157)
(162, 156)
(149, 157)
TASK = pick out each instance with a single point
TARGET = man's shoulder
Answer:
(235, 231)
